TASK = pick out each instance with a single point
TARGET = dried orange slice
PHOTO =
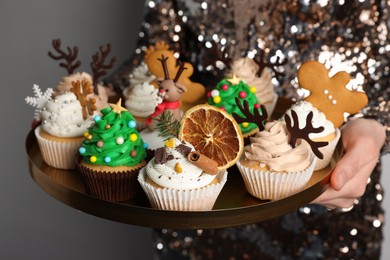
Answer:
(214, 133)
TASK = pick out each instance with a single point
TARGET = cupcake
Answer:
(224, 96)
(330, 100)
(178, 178)
(112, 154)
(98, 67)
(141, 101)
(271, 167)
(64, 120)
(330, 134)
(248, 71)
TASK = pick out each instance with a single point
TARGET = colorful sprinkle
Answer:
(242, 94)
(82, 150)
(119, 140)
(225, 87)
(93, 159)
(108, 127)
(217, 99)
(107, 159)
(252, 89)
(215, 93)
(208, 94)
(222, 108)
(145, 146)
(245, 124)
(97, 118)
(100, 143)
(86, 134)
(89, 137)
(132, 124)
(178, 168)
(170, 143)
(133, 153)
(133, 137)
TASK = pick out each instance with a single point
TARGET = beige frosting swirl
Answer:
(167, 174)
(270, 148)
(63, 117)
(246, 69)
(66, 84)
(140, 75)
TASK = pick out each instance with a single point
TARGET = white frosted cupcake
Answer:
(271, 168)
(330, 134)
(62, 130)
(246, 69)
(172, 182)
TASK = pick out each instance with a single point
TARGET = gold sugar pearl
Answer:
(108, 127)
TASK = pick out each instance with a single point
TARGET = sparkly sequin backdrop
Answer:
(350, 35)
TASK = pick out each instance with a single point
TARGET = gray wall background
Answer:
(34, 225)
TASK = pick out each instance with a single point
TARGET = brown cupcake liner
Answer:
(111, 186)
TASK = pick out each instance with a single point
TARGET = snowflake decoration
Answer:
(39, 100)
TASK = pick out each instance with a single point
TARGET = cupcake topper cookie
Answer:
(82, 90)
(329, 94)
(303, 133)
(153, 54)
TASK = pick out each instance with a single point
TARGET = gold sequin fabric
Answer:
(344, 35)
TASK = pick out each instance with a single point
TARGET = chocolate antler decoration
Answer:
(163, 61)
(179, 72)
(99, 69)
(255, 118)
(69, 57)
(303, 133)
(262, 65)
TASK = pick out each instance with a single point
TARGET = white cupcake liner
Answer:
(269, 185)
(327, 151)
(201, 199)
(58, 154)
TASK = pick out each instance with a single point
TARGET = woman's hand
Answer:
(362, 140)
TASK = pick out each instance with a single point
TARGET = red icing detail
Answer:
(160, 108)
(242, 94)
(225, 87)
(257, 105)
(209, 94)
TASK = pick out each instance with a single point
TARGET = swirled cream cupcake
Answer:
(141, 102)
(172, 181)
(271, 168)
(62, 130)
(246, 69)
(65, 85)
(330, 134)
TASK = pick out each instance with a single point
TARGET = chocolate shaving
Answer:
(296, 132)
(255, 118)
(160, 155)
(183, 149)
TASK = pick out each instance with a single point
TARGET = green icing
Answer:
(227, 100)
(122, 125)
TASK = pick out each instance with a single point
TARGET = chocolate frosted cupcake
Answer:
(112, 155)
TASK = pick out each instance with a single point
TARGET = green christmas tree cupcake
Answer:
(112, 155)
(224, 96)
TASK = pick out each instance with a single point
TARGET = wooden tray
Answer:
(234, 206)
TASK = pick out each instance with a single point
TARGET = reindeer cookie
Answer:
(195, 92)
(329, 94)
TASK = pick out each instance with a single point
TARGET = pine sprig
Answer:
(166, 126)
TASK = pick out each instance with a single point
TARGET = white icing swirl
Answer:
(246, 69)
(271, 147)
(142, 100)
(303, 108)
(140, 75)
(165, 175)
(63, 117)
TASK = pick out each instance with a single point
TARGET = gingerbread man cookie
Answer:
(329, 94)
(195, 91)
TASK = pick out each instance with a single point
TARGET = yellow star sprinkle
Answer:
(234, 80)
(117, 108)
